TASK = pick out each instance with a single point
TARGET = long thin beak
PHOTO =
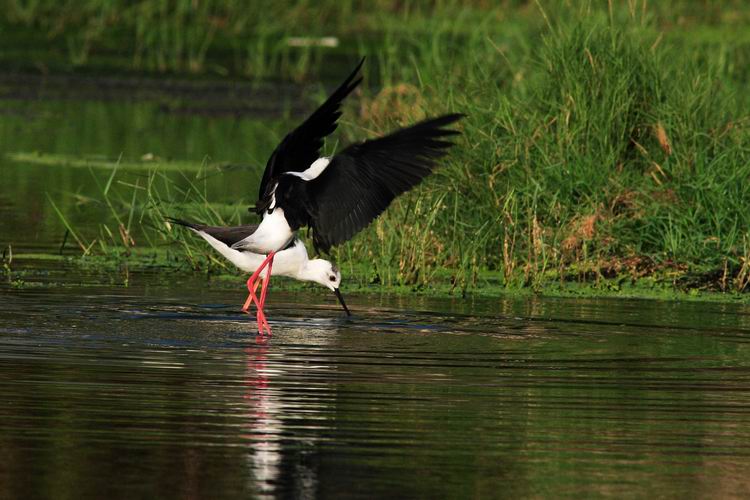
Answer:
(341, 299)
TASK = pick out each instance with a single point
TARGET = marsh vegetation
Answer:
(604, 144)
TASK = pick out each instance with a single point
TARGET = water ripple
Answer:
(627, 395)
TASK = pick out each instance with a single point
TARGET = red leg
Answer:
(263, 322)
(259, 315)
(262, 315)
(252, 286)
(251, 283)
(264, 290)
(263, 264)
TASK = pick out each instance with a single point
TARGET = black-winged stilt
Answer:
(336, 197)
(291, 261)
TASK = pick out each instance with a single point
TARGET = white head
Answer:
(325, 273)
(322, 272)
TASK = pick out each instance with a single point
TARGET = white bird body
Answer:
(286, 262)
(272, 234)
(292, 262)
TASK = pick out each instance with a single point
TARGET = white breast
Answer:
(272, 234)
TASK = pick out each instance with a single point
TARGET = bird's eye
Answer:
(332, 278)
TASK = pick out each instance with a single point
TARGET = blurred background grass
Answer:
(605, 141)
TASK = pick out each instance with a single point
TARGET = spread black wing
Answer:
(229, 235)
(301, 147)
(362, 180)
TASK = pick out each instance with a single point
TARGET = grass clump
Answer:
(609, 153)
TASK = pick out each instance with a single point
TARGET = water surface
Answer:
(161, 390)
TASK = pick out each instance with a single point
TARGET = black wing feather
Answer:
(362, 180)
(229, 235)
(301, 147)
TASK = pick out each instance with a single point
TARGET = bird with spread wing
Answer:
(335, 197)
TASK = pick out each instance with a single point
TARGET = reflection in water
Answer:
(413, 397)
(264, 426)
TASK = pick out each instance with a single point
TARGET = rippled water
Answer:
(154, 390)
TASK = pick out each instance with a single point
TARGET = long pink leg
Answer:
(252, 280)
(259, 315)
(268, 262)
(264, 290)
(252, 286)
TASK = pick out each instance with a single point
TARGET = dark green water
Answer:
(127, 385)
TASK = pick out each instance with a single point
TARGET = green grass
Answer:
(253, 38)
(603, 144)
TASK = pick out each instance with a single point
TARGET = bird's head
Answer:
(323, 272)
(327, 274)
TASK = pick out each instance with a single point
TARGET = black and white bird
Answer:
(335, 197)
(292, 261)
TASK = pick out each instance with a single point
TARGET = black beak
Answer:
(341, 299)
